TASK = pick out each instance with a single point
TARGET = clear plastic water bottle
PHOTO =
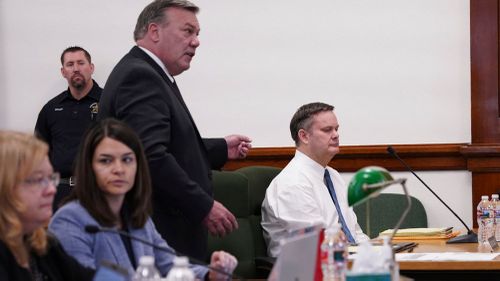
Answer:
(181, 270)
(333, 255)
(495, 206)
(146, 271)
(327, 255)
(484, 220)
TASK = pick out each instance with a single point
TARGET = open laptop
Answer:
(297, 259)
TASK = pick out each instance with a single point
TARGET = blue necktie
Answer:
(331, 190)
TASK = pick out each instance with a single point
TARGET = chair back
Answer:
(383, 212)
(242, 192)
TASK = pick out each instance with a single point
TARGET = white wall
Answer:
(397, 71)
(453, 187)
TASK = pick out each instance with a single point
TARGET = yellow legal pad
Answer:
(422, 233)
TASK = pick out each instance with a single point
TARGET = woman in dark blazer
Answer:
(27, 187)
(113, 189)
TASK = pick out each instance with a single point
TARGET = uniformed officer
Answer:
(64, 119)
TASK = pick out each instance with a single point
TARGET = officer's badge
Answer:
(94, 108)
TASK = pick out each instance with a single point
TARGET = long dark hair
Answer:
(137, 201)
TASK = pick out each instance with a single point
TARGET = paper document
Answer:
(448, 256)
(420, 231)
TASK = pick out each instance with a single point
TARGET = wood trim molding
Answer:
(482, 158)
(421, 157)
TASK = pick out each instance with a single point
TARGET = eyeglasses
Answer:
(44, 182)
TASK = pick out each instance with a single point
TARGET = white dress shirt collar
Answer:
(313, 166)
(159, 62)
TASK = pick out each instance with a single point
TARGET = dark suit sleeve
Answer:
(142, 101)
(217, 152)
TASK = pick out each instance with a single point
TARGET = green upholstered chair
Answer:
(382, 212)
(242, 192)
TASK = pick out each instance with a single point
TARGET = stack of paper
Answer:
(422, 233)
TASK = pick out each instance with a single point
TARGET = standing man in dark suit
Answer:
(142, 92)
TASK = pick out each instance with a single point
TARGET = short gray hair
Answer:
(154, 13)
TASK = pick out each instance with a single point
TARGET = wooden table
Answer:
(449, 270)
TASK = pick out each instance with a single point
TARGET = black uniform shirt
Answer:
(62, 123)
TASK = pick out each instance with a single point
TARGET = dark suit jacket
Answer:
(139, 93)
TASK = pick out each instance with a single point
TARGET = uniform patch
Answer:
(94, 109)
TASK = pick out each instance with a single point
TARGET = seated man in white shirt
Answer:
(308, 192)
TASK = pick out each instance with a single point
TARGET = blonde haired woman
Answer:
(27, 187)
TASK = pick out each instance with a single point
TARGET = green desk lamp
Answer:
(368, 182)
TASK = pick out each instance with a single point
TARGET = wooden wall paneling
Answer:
(484, 71)
(483, 157)
(486, 184)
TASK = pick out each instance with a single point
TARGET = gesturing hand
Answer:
(237, 146)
